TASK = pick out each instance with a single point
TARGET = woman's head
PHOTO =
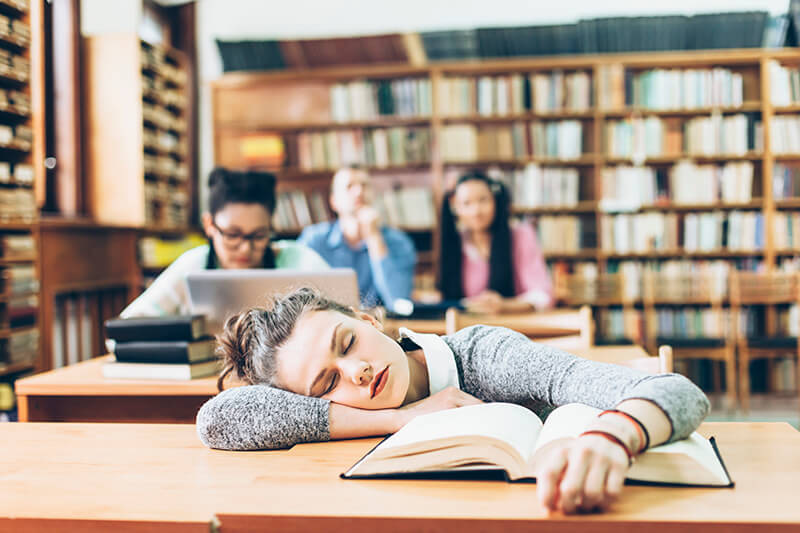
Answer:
(313, 346)
(476, 204)
(238, 223)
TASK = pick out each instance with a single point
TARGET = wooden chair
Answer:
(632, 356)
(662, 364)
(767, 290)
(705, 290)
(572, 327)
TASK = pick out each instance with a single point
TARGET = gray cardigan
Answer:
(494, 365)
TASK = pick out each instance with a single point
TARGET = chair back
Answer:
(764, 288)
(573, 325)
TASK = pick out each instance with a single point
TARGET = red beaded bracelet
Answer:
(613, 438)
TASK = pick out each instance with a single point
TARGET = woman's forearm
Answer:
(651, 416)
(349, 422)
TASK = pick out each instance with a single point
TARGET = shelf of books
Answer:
(138, 165)
(19, 279)
(625, 161)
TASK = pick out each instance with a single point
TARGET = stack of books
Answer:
(169, 347)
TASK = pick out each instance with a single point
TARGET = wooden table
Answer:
(80, 393)
(143, 477)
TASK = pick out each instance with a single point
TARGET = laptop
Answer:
(218, 294)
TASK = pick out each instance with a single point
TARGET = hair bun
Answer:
(217, 176)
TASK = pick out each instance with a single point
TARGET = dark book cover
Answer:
(250, 55)
(171, 352)
(163, 328)
(453, 44)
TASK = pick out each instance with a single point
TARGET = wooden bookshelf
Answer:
(289, 103)
(139, 164)
(21, 145)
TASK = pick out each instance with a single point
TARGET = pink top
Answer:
(531, 280)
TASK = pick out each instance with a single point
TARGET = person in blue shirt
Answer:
(382, 257)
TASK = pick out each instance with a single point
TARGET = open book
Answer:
(508, 437)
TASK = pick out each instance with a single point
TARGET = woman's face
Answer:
(240, 233)
(345, 359)
(473, 205)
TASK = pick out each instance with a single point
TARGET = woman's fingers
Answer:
(549, 477)
(572, 485)
(594, 489)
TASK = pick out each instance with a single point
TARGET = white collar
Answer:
(439, 358)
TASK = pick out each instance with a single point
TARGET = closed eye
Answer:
(349, 344)
(332, 385)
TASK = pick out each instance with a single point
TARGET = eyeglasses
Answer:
(233, 240)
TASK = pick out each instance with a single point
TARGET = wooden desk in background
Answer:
(80, 393)
(135, 477)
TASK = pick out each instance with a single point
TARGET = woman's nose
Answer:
(360, 372)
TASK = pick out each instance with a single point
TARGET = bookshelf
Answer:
(138, 165)
(19, 264)
(647, 158)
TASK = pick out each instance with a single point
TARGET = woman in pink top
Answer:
(492, 266)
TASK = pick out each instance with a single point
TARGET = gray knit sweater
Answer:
(494, 365)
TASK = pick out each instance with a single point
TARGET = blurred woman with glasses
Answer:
(239, 230)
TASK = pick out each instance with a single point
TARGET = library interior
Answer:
(185, 185)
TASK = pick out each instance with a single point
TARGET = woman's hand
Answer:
(489, 302)
(582, 474)
(448, 398)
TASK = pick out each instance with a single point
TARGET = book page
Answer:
(514, 424)
(569, 420)
(691, 461)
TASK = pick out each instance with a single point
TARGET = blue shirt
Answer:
(380, 281)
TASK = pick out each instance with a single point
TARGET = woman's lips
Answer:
(379, 382)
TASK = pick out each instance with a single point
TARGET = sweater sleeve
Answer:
(258, 417)
(498, 364)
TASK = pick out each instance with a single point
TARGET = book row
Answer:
(15, 101)
(18, 280)
(702, 232)
(19, 312)
(17, 204)
(692, 322)
(638, 139)
(162, 117)
(163, 141)
(18, 137)
(365, 100)
(667, 89)
(405, 208)
(17, 173)
(785, 181)
(16, 246)
(14, 66)
(380, 147)
(785, 134)
(685, 183)
(20, 347)
(515, 94)
(784, 84)
(165, 166)
(15, 30)
(467, 142)
(786, 231)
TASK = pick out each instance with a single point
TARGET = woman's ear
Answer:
(361, 315)
(208, 224)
